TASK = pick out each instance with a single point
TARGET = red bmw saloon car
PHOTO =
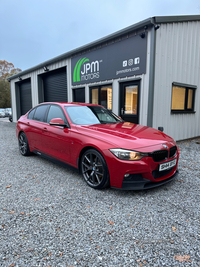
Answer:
(106, 150)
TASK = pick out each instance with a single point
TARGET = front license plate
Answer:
(167, 165)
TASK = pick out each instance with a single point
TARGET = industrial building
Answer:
(148, 73)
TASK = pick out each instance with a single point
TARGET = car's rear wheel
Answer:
(23, 145)
(94, 169)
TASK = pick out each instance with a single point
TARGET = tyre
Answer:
(94, 169)
(23, 145)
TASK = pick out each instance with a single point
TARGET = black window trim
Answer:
(187, 87)
(46, 113)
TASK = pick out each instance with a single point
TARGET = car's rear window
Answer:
(40, 113)
(31, 114)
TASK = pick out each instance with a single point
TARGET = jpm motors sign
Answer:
(120, 59)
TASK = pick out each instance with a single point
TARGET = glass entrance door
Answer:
(129, 108)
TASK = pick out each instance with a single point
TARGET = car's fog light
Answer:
(126, 175)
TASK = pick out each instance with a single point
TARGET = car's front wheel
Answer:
(94, 169)
(23, 145)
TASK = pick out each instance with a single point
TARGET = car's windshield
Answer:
(89, 115)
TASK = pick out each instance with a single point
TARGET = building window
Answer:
(183, 97)
(79, 95)
(101, 95)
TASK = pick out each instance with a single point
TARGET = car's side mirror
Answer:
(58, 122)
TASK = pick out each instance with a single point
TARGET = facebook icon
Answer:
(137, 60)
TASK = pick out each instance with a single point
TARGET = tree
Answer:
(5, 94)
(6, 70)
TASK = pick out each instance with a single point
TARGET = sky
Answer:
(33, 31)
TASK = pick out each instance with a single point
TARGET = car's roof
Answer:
(70, 104)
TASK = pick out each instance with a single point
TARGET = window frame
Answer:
(187, 87)
(99, 92)
(35, 109)
(65, 119)
(73, 93)
(46, 114)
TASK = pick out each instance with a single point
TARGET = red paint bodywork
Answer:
(67, 144)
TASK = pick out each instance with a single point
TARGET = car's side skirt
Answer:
(56, 161)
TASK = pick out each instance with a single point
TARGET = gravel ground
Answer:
(50, 217)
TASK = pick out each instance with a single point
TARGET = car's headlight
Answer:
(127, 154)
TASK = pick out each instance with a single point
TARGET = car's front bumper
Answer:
(141, 174)
(140, 183)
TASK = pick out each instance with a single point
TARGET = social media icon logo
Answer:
(137, 60)
(125, 63)
(130, 62)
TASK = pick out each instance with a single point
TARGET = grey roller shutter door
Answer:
(55, 86)
(25, 96)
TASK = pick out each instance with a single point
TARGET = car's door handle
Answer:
(45, 129)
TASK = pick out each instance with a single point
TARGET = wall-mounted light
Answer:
(160, 128)
(19, 78)
(45, 68)
(143, 34)
(156, 27)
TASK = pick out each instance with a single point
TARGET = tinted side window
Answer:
(40, 113)
(55, 112)
(31, 114)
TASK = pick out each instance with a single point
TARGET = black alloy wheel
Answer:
(94, 169)
(23, 145)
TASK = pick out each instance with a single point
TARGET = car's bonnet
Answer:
(126, 135)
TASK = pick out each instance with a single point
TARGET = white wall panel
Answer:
(13, 99)
(177, 60)
(144, 90)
